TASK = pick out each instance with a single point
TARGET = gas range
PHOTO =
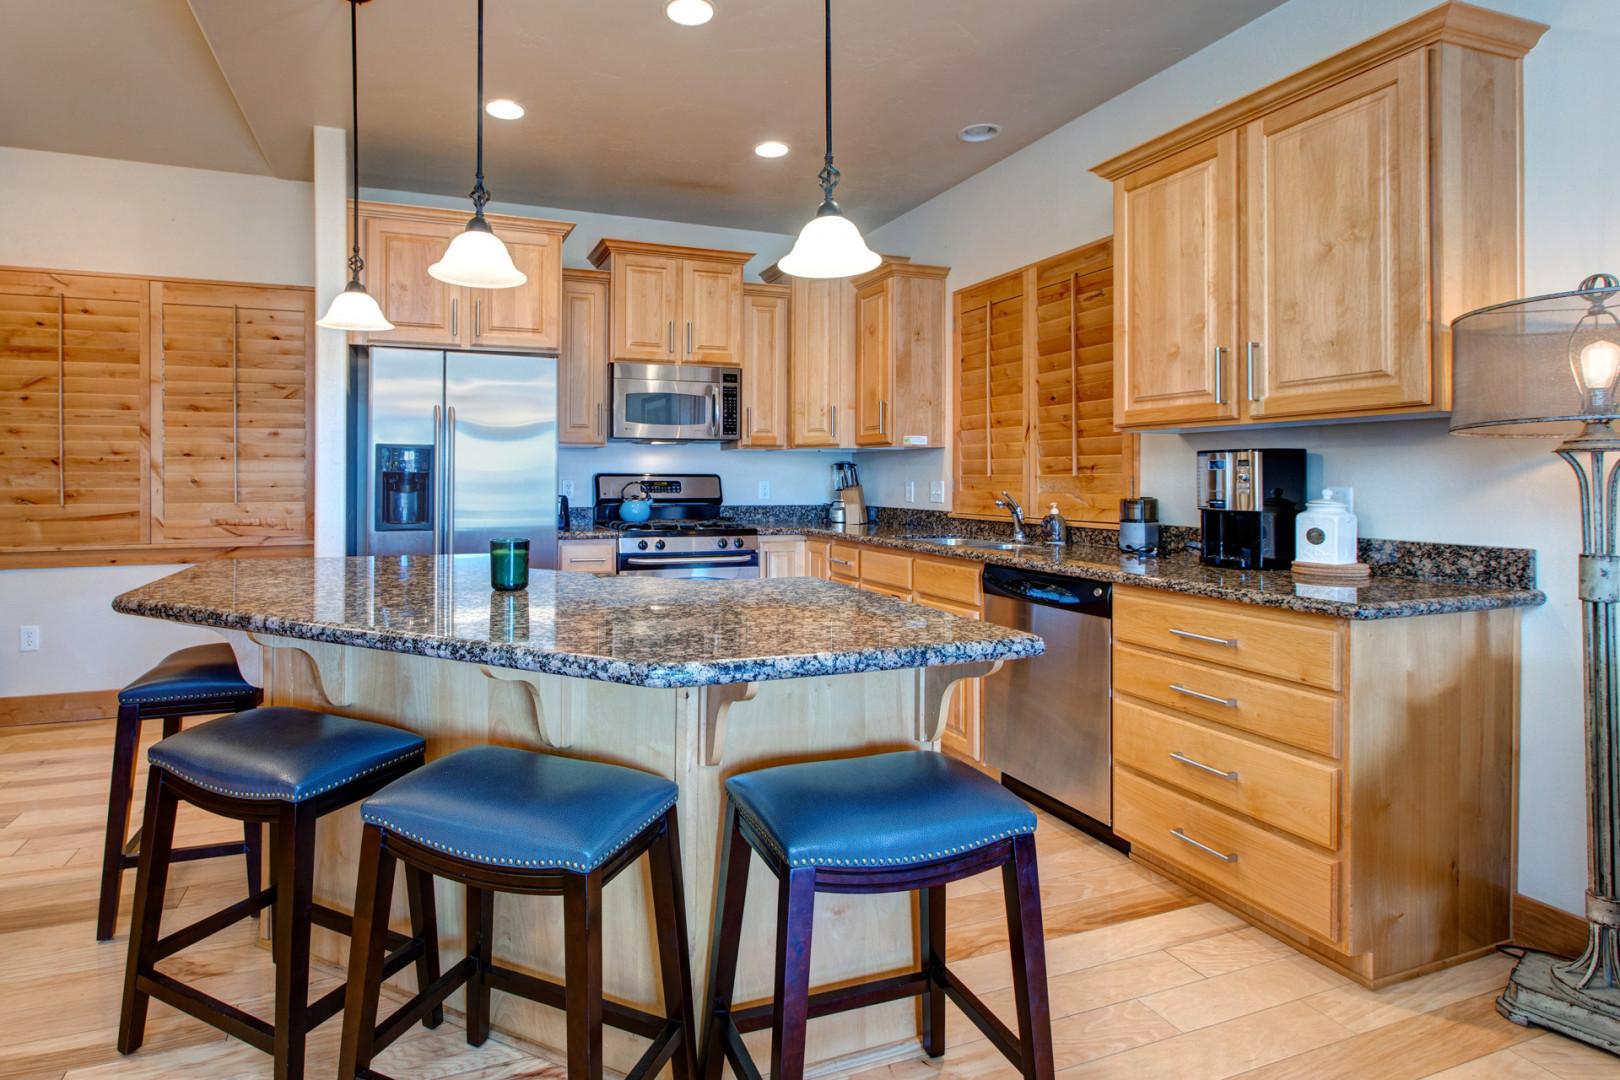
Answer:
(684, 536)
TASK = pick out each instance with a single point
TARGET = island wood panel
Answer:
(73, 409)
(455, 705)
(233, 446)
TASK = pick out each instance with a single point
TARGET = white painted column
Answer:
(331, 193)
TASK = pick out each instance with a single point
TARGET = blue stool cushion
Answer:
(896, 809)
(194, 674)
(507, 807)
(283, 754)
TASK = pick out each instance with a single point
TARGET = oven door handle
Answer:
(696, 560)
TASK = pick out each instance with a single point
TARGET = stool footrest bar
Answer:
(1000, 1036)
(841, 999)
(210, 1010)
(546, 992)
(210, 925)
(425, 1002)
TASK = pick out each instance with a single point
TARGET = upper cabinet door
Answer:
(582, 365)
(874, 364)
(711, 329)
(526, 317)
(1176, 277)
(822, 372)
(765, 366)
(423, 309)
(1337, 248)
(646, 307)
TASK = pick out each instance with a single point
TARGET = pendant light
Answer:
(829, 246)
(354, 308)
(477, 258)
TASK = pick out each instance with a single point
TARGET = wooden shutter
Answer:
(991, 396)
(233, 445)
(73, 392)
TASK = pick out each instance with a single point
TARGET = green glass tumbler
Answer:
(509, 564)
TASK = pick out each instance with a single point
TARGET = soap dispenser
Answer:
(1054, 527)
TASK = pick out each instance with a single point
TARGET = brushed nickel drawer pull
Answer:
(1229, 702)
(1230, 643)
(840, 562)
(1224, 774)
(1221, 855)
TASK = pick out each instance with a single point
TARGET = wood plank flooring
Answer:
(1146, 980)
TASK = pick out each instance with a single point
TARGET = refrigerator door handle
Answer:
(450, 481)
(438, 483)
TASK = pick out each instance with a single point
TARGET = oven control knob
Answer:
(737, 543)
(722, 541)
(641, 544)
(659, 545)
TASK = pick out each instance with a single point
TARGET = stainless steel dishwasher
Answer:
(1047, 719)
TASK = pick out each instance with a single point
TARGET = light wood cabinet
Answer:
(232, 443)
(1348, 785)
(1368, 200)
(783, 556)
(599, 557)
(900, 356)
(815, 559)
(674, 305)
(821, 377)
(1034, 376)
(766, 366)
(401, 242)
(582, 364)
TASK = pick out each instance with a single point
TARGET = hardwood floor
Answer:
(1146, 981)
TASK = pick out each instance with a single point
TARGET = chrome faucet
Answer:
(1010, 504)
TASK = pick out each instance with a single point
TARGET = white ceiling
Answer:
(627, 112)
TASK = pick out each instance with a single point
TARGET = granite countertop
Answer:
(643, 631)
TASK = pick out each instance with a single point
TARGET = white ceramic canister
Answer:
(1325, 532)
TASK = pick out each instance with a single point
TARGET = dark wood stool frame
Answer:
(793, 1004)
(120, 849)
(580, 995)
(292, 853)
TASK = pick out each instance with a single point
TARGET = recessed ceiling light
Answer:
(504, 109)
(771, 149)
(979, 132)
(690, 12)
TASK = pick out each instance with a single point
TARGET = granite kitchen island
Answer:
(692, 680)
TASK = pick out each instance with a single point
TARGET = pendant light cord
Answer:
(479, 195)
(829, 173)
(356, 263)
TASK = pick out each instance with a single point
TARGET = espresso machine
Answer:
(1247, 502)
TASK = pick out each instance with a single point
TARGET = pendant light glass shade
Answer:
(354, 308)
(830, 246)
(477, 258)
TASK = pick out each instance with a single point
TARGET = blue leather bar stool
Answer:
(286, 768)
(498, 819)
(912, 820)
(200, 681)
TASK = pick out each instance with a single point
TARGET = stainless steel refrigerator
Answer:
(448, 450)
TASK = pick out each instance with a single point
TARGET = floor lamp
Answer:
(1548, 366)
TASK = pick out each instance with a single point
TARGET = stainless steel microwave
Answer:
(675, 402)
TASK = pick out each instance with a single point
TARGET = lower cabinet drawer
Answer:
(843, 561)
(1287, 790)
(874, 587)
(588, 556)
(953, 580)
(1308, 719)
(886, 568)
(1260, 868)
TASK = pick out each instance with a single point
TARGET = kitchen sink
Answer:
(971, 542)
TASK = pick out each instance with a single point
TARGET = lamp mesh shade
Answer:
(1511, 371)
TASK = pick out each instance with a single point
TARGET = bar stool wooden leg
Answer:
(582, 961)
(931, 933)
(253, 850)
(735, 855)
(151, 879)
(120, 796)
(674, 957)
(425, 925)
(1021, 886)
(295, 886)
(369, 946)
(795, 914)
(480, 944)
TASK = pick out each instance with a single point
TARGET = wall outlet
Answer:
(565, 488)
(911, 491)
(764, 490)
(936, 491)
(28, 639)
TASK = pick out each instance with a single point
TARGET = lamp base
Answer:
(1536, 995)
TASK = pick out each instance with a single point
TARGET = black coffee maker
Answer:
(1247, 502)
